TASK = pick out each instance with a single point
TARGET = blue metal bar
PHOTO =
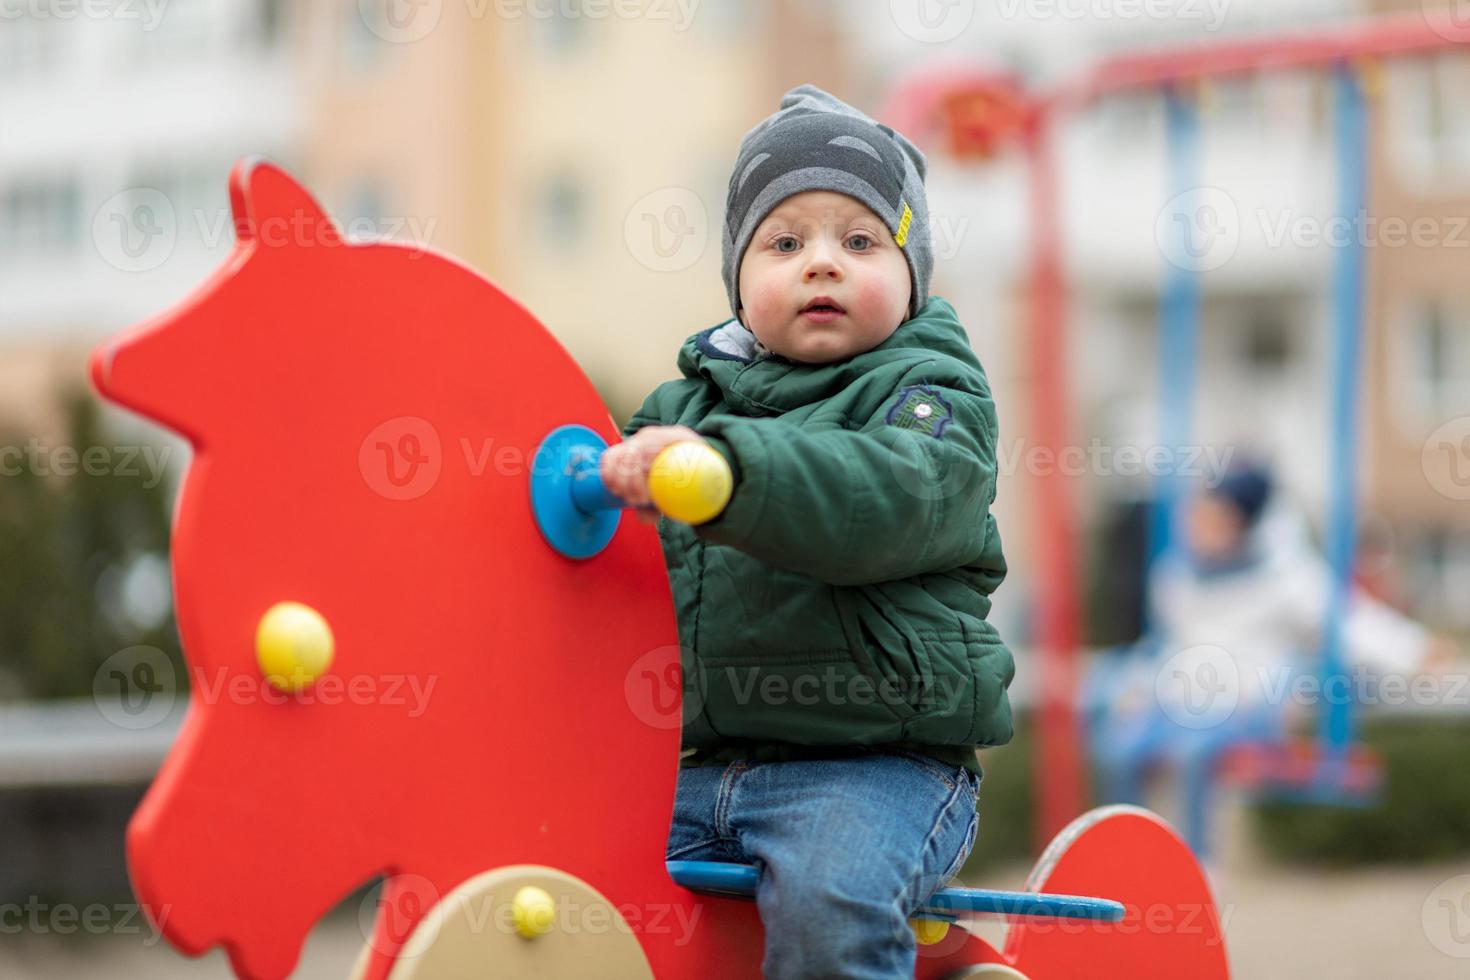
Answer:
(1324, 791)
(1179, 314)
(1347, 327)
(740, 880)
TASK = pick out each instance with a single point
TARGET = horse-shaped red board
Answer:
(364, 418)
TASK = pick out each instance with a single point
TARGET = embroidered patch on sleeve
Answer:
(921, 409)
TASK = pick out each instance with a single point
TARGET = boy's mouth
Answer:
(823, 305)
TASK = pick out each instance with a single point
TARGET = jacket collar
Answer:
(731, 340)
(755, 381)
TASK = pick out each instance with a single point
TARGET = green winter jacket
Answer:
(840, 600)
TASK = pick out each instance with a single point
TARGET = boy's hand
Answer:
(625, 465)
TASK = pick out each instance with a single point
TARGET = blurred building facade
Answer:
(578, 157)
(1262, 372)
(98, 104)
(1418, 355)
(549, 145)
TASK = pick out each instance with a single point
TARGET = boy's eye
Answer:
(860, 243)
(786, 240)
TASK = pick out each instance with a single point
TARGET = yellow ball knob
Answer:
(929, 931)
(690, 482)
(533, 911)
(293, 646)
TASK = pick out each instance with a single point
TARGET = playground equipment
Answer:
(371, 427)
(1331, 768)
(689, 481)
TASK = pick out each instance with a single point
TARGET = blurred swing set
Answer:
(981, 114)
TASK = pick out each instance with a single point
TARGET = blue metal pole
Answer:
(1179, 315)
(1347, 326)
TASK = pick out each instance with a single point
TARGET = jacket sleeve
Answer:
(663, 406)
(856, 507)
(647, 413)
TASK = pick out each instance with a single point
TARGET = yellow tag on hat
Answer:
(902, 235)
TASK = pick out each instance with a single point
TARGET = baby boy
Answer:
(839, 671)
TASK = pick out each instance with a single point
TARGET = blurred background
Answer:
(576, 153)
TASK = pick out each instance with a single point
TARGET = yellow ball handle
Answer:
(690, 482)
(533, 911)
(293, 646)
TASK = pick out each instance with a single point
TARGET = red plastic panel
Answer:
(363, 417)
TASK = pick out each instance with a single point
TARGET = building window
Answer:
(198, 202)
(561, 211)
(362, 218)
(364, 35)
(560, 27)
(1434, 361)
(723, 22)
(1429, 130)
(40, 215)
(270, 23)
(1239, 101)
(184, 29)
(28, 41)
(1130, 116)
(1441, 576)
(1266, 343)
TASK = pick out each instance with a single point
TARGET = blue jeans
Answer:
(847, 848)
(1127, 746)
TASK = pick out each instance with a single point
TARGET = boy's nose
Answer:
(820, 262)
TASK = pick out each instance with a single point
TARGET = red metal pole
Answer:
(1381, 37)
(1058, 765)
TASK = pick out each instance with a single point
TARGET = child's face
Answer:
(1216, 530)
(823, 244)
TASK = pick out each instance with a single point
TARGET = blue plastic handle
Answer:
(589, 493)
(572, 506)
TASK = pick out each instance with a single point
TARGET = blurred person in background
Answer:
(1236, 616)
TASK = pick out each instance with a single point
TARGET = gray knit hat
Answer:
(816, 142)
